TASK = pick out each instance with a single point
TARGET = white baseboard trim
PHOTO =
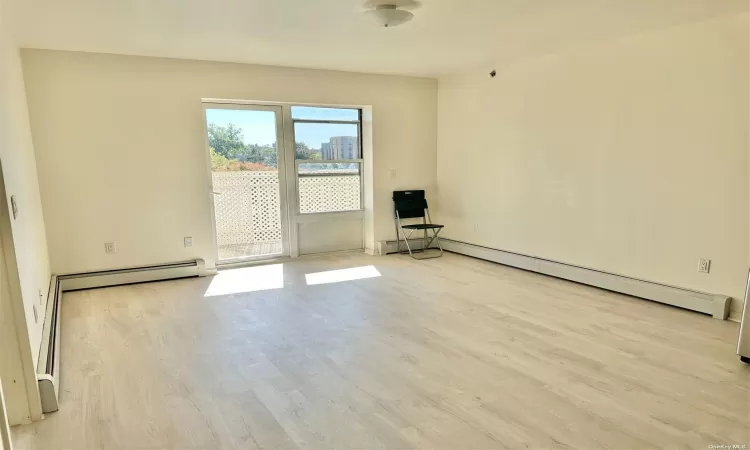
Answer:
(388, 247)
(48, 373)
(72, 282)
(353, 251)
(716, 305)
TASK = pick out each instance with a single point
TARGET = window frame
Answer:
(359, 160)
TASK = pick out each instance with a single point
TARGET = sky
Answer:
(259, 127)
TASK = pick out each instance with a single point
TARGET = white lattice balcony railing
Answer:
(248, 210)
(327, 193)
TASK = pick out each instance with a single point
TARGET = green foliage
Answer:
(262, 154)
(302, 151)
(230, 153)
(226, 141)
(220, 163)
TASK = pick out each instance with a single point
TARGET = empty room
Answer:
(374, 224)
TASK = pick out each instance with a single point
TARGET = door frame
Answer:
(282, 147)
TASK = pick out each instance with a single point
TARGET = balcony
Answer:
(248, 210)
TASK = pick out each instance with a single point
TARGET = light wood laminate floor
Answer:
(444, 353)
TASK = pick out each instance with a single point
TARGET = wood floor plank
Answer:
(445, 353)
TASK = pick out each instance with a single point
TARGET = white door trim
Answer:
(5, 442)
(287, 230)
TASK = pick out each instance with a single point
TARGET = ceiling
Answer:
(445, 36)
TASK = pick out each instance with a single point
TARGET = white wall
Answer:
(120, 146)
(629, 157)
(24, 266)
(19, 170)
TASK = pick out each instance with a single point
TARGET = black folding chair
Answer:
(413, 205)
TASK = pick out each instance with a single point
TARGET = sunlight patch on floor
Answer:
(246, 279)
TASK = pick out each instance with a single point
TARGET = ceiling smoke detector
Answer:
(390, 14)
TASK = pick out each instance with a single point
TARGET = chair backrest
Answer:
(409, 204)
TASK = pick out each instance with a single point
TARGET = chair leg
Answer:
(424, 251)
(436, 238)
(406, 241)
(426, 241)
(398, 238)
(437, 241)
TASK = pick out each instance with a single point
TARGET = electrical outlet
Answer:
(476, 227)
(392, 174)
(36, 314)
(704, 265)
(109, 247)
(188, 241)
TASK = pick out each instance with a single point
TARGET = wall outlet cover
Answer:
(188, 241)
(109, 247)
(704, 265)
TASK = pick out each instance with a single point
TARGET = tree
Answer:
(227, 141)
(262, 154)
(269, 156)
(220, 163)
(302, 151)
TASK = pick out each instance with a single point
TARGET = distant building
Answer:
(325, 151)
(340, 147)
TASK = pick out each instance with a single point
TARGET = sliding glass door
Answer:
(248, 181)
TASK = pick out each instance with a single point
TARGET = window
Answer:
(328, 153)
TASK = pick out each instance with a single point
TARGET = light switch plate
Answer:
(14, 206)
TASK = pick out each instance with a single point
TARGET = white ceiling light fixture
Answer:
(390, 13)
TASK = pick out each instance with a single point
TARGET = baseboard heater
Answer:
(48, 367)
(48, 373)
(715, 305)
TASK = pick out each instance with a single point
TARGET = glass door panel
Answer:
(247, 174)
